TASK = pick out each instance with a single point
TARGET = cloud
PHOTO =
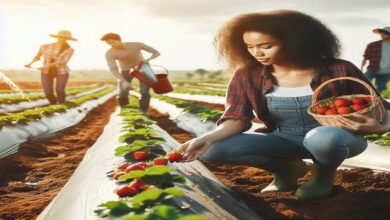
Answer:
(188, 9)
(355, 21)
(203, 14)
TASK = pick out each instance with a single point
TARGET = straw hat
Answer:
(379, 30)
(64, 34)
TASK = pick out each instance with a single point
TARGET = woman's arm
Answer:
(36, 58)
(194, 148)
(363, 125)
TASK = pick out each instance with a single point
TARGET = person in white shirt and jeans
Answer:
(127, 54)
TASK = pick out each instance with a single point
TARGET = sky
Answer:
(182, 30)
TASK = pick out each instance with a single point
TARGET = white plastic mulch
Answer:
(12, 136)
(202, 98)
(89, 186)
(40, 102)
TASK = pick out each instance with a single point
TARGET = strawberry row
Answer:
(41, 112)
(147, 184)
(18, 98)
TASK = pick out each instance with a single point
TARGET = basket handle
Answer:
(139, 65)
(317, 90)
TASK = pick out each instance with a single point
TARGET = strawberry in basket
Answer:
(342, 105)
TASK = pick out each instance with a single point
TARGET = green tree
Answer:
(189, 75)
(201, 72)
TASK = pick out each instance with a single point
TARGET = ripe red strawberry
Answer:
(332, 106)
(358, 107)
(137, 166)
(117, 175)
(358, 101)
(160, 161)
(137, 184)
(125, 191)
(174, 156)
(343, 110)
(123, 166)
(367, 99)
(332, 111)
(321, 110)
(340, 102)
(139, 155)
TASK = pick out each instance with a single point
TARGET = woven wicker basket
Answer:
(375, 110)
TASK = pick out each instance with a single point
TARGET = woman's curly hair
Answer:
(305, 40)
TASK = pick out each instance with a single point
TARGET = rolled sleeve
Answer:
(237, 105)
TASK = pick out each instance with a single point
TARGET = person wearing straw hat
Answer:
(377, 54)
(128, 54)
(281, 58)
(55, 58)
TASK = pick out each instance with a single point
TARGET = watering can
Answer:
(159, 82)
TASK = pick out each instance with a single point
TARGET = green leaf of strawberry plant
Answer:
(164, 212)
(174, 191)
(158, 170)
(113, 208)
(134, 174)
(193, 217)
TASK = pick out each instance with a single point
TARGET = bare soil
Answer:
(31, 178)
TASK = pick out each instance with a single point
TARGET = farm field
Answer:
(38, 172)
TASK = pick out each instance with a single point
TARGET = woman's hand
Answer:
(192, 149)
(360, 124)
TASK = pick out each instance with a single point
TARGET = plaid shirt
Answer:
(373, 54)
(49, 52)
(247, 89)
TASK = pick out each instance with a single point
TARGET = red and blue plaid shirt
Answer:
(247, 89)
(373, 53)
(50, 52)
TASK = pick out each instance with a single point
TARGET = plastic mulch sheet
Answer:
(89, 186)
(202, 98)
(12, 136)
(40, 102)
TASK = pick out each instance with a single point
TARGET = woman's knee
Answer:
(328, 145)
(215, 153)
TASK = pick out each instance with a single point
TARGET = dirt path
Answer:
(359, 193)
(30, 179)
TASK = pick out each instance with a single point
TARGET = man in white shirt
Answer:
(128, 55)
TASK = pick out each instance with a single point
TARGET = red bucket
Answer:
(144, 73)
(163, 84)
(137, 74)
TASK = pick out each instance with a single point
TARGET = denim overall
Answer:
(298, 136)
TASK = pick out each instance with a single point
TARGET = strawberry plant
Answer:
(41, 112)
(152, 203)
(198, 109)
